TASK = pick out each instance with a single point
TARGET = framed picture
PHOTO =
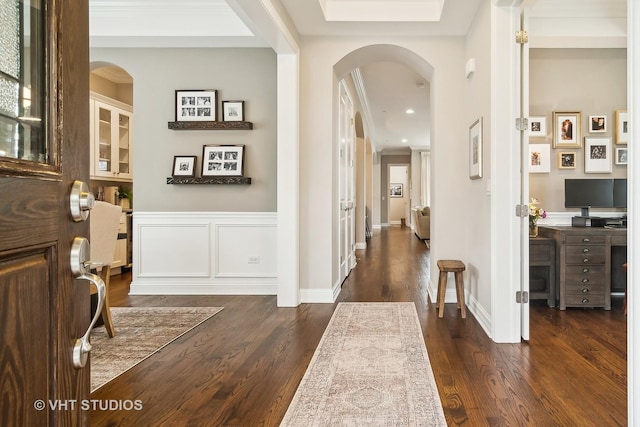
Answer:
(475, 149)
(567, 160)
(233, 111)
(566, 130)
(537, 126)
(184, 166)
(597, 155)
(196, 105)
(222, 160)
(598, 124)
(622, 156)
(539, 158)
(395, 190)
(622, 127)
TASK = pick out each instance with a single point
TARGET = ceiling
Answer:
(213, 23)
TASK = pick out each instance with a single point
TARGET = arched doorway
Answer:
(111, 135)
(381, 121)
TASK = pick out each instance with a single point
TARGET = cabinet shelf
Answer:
(210, 125)
(210, 180)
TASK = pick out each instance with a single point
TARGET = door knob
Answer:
(81, 268)
(81, 201)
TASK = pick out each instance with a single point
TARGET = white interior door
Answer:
(524, 138)
(346, 134)
(398, 200)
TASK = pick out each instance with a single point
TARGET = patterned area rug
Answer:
(371, 368)
(140, 332)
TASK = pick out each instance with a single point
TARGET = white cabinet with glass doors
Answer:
(111, 131)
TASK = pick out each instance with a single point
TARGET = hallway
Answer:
(242, 366)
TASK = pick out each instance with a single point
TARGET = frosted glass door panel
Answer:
(22, 81)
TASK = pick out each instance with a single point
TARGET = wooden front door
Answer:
(44, 147)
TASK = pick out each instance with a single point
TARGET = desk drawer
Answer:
(584, 273)
(584, 289)
(585, 254)
(585, 300)
(589, 240)
(541, 252)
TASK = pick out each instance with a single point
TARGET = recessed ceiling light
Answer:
(404, 139)
(410, 111)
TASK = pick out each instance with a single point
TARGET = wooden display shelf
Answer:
(210, 125)
(210, 180)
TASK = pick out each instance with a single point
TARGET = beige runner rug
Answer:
(140, 333)
(371, 368)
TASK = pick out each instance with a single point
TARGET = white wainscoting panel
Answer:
(246, 250)
(174, 250)
(204, 253)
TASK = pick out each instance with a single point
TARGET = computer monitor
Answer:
(588, 193)
(620, 193)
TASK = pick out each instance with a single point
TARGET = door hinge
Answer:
(522, 297)
(522, 123)
(522, 211)
(522, 37)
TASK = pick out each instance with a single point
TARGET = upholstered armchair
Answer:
(422, 222)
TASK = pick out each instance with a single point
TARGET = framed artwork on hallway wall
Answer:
(222, 160)
(597, 155)
(598, 124)
(475, 149)
(622, 156)
(537, 126)
(539, 158)
(566, 130)
(184, 166)
(232, 111)
(395, 190)
(622, 127)
(196, 105)
(567, 160)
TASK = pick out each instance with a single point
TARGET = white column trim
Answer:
(288, 199)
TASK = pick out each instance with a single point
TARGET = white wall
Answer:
(184, 243)
(237, 74)
(449, 135)
(590, 81)
(477, 243)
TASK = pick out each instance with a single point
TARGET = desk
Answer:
(584, 266)
(542, 258)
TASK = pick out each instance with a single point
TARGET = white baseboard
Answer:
(178, 288)
(319, 296)
(483, 318)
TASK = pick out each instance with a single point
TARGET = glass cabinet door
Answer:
(124, 143)
(112, 142)
(104, 140)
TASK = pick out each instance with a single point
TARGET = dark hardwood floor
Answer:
(242, 366)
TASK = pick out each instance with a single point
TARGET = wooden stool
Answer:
(456, 267)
